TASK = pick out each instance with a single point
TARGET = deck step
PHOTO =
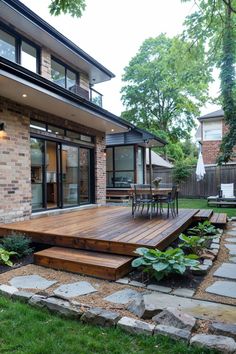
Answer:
(219, 219)
(101, 265)
(203, 214)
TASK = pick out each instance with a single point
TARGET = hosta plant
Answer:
(5, 257)
(161, 264)
(195, 244)
(204, 229)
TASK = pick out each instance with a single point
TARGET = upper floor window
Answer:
(18, 50)
(212, 130)
(63, 76)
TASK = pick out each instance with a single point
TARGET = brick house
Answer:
(52, 125)
(210, 133)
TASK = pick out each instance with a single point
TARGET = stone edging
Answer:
(101, 317)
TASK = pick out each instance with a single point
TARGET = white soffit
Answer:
(44, 100)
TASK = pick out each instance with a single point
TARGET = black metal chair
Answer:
(170, 200)
(143, 197)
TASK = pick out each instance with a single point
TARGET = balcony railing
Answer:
(93, 96)
(96, 97)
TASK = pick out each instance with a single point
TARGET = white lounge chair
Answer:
(226, 194)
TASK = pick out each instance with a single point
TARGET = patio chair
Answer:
(143, 197)
(170, 200)
(226, 193)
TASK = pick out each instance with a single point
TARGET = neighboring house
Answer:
(158, 166)
(52, 138)
(126, 159)
(210, 133)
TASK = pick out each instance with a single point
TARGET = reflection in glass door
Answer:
(37, 173)
(84, 159)
(51, 174)
(70, 173)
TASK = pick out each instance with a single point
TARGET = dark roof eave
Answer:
(25, 11)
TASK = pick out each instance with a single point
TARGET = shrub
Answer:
(181, 172)
(203, 229)
(5, 257)
(161, 264)
(195, 244)
(17, 243)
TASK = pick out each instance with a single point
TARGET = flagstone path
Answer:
(227, 270)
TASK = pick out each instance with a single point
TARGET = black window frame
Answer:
(18, 44)
(66, 67)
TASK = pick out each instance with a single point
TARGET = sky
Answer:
(112, 31)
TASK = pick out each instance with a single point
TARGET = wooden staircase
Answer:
(101, 265)
(217, 219)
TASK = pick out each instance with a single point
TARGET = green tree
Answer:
(213, 26)
(73, 7)
(165, 85)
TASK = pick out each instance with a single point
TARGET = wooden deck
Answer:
(101, 241)
(105, 229)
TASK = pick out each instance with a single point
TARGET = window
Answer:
(120, 166)
(212, 130)
(7, 46)
(20, 51)
(63, 76)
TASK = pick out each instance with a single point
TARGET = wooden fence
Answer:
(210, 185)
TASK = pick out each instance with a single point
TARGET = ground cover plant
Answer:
(27, 330)
(161, 264)
(185, 203)
(18, 243)
(5, 257)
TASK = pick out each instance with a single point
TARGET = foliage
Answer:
(64, 336)
(181, 172)
(213, 26)
(73, 7)
(203, 229)
(165, 85)
(17, 243)
(5, 257)
(161, 264)
(195, 244)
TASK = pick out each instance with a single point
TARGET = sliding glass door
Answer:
(61, 174)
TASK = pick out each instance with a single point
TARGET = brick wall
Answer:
(15, 184)
(15, 169)
(211, 149)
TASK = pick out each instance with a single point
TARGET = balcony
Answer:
(93, 96)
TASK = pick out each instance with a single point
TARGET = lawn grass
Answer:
(27, 330)
(202, 204)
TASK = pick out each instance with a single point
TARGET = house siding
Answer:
(15, 164)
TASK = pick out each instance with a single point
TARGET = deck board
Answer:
(105, 229)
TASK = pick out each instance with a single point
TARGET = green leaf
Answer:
(160, 266)
(137, 262)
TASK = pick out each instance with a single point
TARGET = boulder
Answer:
(135, 326)
(221, 343)
(23, 296)
(173, 332)
(37, 301)
(225, 329)
(62, 307)
(7, 290)
(101, 317)
(175, 318)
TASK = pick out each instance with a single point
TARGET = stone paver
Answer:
(138, 284)
(184, 292)
(123, 281)
(197, 308)
(162, 289)
(173, 332)
(226, 270)
(63, 307)
(31, 282)
(124, 296)
(224, 329)
(231, 248)
(223, 288)
(231, 232)
(221, 343)
(135, 326)
(74, 289)
(231, 239)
